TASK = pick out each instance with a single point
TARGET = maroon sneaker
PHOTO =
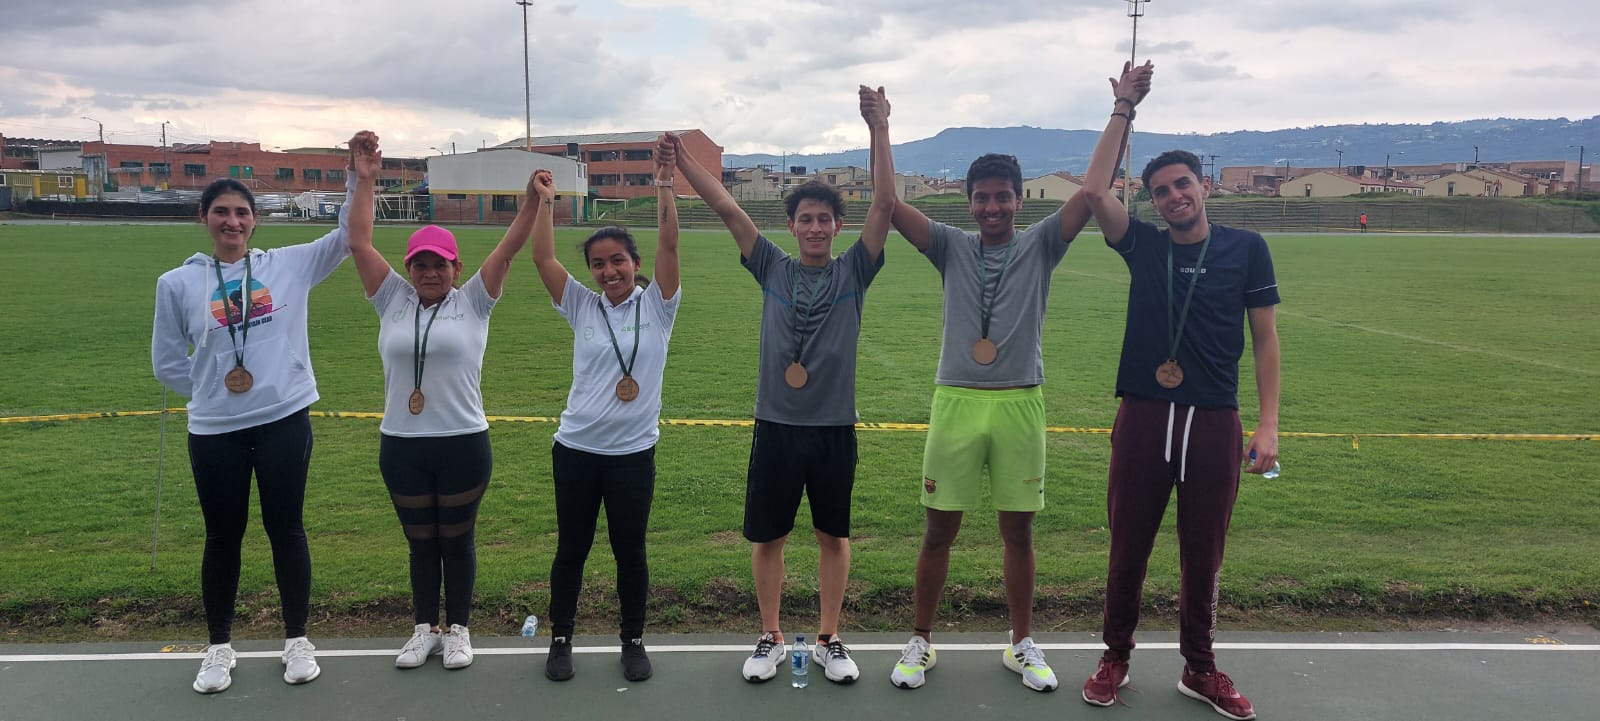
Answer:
(1216, 689)
(1101, 688)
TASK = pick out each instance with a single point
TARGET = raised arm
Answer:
(498, 264)
(1264, 347)
(875, 232)
(365, 162)
(1110, 213)
(667, 220)
(551, 271)
(710, 189)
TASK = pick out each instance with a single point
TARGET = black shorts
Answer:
(785, 461)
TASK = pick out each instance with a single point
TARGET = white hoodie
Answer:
(278, 354)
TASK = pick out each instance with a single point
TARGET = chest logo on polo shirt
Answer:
(258, 309)
(588, 332)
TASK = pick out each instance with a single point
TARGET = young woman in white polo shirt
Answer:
(604, 451)
(434, 452)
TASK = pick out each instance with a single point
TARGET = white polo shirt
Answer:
(595, 420)
(452, 366)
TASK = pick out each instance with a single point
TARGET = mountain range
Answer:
(1045, 150)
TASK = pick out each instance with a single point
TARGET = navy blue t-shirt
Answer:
(1237, 275)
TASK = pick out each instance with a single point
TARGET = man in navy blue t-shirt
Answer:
(1192, 288)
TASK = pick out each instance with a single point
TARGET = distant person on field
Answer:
(604, 452)
(1363, 221)
(248, 377)
(1192, 288)
(986, 436)
(805, 439)
(434, 450)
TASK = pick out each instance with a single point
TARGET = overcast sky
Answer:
(771, 75)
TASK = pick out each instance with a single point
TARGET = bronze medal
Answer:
(1169, 374)
(415, 404)
(985, 351)
(627, 389)
(795, 375)
(238, 380)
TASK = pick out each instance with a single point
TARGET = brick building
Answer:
(194, 165)
(621, 165)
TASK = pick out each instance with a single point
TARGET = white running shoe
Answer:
(300, 661)
(424, 642)
(215, 669)
(1027, 658)
(457, 647)
(915, 661)
(763, 664)
(834, 658)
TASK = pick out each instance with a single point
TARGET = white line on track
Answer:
(742, 648)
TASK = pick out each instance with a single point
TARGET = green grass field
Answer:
(1380, 335)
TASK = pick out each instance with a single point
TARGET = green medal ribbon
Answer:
(419, 340)
(245, 305)
(627, 368)
(986, 301)
(1177, 332)
(800, 317)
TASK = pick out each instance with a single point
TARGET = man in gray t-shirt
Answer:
(986, 428)
(804, 441)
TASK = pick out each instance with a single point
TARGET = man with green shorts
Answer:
(986, 429)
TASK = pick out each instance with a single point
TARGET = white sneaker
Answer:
(916, 660)
(457, 647)
(424, 642)
(763, 664)
(1027, 659)
(215, 669)
(834, 658)
(299, 661)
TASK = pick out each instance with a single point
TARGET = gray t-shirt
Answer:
(829, 324)
(1017, 318)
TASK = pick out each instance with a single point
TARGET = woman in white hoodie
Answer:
(242, 311)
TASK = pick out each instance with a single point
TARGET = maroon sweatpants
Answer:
(1148, 458)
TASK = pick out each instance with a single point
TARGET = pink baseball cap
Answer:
(434, 239)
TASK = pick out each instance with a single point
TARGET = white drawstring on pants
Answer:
(1188, 422)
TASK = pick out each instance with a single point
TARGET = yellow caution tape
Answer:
(1355, 439)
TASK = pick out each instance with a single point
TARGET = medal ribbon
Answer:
(1177, 332)
(985, 300)
(627, 368)
(800, 317)
(245, 304)
(419, 340)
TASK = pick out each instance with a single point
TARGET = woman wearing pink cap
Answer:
(434, 453)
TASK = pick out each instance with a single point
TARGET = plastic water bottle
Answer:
(800, 663)
(1272, 472)
(530, 627)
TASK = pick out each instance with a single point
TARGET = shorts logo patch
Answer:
(928, 485)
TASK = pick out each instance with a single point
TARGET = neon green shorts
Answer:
(970, 431)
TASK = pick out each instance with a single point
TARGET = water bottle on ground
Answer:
(530, 627)
(800, 663)
(1272, 472)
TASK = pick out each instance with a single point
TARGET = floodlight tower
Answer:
(527, 87)
(1135, 11)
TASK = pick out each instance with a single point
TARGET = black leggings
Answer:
(626, 485)
(279, 453)
(436, 484)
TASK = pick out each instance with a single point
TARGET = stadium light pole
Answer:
(1386, 168)
(101, 127)
(1135, 11)
(1580, 168)
(527, 87)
